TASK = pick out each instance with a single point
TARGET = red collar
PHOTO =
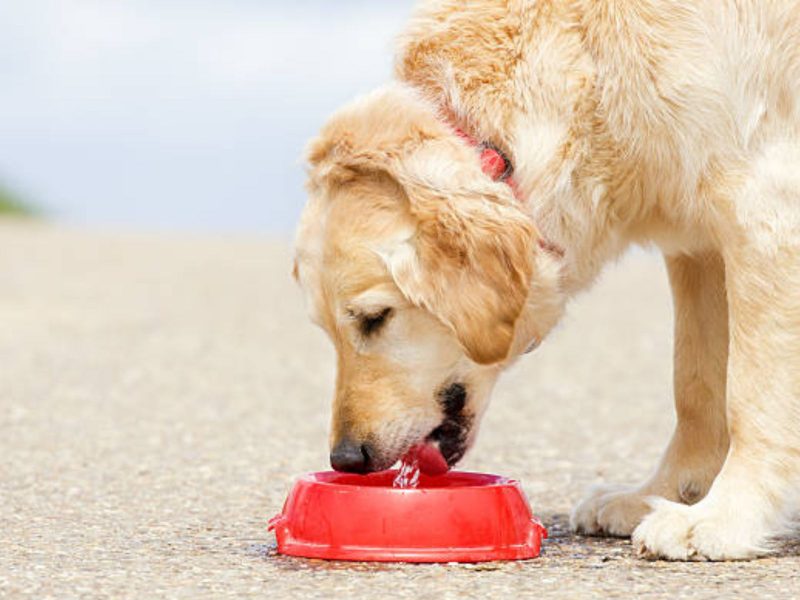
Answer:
(499, 167)
(494, 162)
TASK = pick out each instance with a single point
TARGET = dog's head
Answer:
(425, 273)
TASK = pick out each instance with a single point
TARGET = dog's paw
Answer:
(675, 531)
(613, 510)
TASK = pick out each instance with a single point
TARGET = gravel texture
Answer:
(160, 393)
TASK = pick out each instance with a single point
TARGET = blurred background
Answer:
(177, 114)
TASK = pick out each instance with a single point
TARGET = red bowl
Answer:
(457, 517)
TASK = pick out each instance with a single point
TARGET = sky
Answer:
(179, 114)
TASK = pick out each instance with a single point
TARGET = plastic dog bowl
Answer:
(456, 517)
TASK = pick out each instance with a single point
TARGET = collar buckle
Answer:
(494, 162)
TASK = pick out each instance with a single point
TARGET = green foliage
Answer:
(11, 205)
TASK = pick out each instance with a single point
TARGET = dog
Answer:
(673, 123)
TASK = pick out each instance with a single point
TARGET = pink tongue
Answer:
(431, 461)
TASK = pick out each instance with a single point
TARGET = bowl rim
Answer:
(492, 481)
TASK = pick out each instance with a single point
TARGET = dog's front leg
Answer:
(700, 441)
(754, 492)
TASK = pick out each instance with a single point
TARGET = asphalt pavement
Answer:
(159, 394)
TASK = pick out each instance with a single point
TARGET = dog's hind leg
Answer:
(700, 441)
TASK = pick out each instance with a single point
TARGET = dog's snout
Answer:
(351, 456)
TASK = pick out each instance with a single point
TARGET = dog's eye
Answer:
(370, 324)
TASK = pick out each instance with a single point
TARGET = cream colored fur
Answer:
(665, 122)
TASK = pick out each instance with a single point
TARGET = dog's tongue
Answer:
(430, 459)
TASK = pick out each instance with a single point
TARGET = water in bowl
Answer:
(408, 475)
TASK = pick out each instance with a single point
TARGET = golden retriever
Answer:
(668, 122)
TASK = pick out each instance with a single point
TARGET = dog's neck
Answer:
(496, 164)
(565, 247)
(560, 155)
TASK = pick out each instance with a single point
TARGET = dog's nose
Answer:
(350, 456)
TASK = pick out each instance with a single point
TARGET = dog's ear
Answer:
(326, 157)
(470, 260)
